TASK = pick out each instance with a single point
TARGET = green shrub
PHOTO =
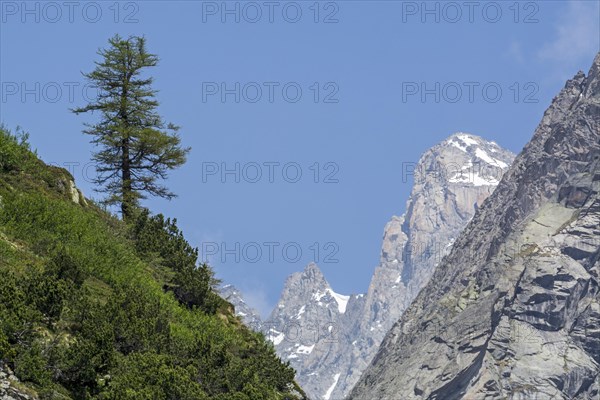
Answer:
(17, 316)
(88, 351)
(140, 320)
(99, 310)
(15, 152)
(6, 350)
(160, 240)
(31, 366)
(142, 376)
(48, 289)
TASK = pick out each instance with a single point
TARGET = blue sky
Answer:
(335, 105)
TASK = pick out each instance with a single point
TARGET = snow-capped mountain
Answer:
(307, 312)
(329, 338)
(451, 181)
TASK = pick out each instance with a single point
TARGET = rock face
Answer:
(11, 388)
(312, 328)
(513, 310)
(451, 181)
(329, 338)
(308, 312)
(67, 185)
(249, 315)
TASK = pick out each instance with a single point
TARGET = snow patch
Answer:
(341, 300)
(302, 310)
(458, 145)
(482, 154)
(467, 139)
(318, 296)
(474, 178)
(469, 175)
(275, 336)
(332, 387)
(305, 349)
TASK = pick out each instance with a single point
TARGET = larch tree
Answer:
(136, 147)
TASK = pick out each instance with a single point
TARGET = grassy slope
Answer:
(83, 315)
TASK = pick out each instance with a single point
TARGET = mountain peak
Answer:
(463, 159)
(465, 137)
(463, 141)
(312, 271)
(300, 287)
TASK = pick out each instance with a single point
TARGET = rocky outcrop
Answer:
(77, 196)
(11, 388)
(67, 186)
(513, 310)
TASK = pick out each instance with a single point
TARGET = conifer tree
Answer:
(136, 147)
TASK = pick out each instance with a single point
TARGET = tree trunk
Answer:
(126, 185)
(126, 191)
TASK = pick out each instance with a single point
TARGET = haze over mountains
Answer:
(331, 338)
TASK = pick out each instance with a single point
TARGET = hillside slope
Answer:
(91, 308)
(513, 311)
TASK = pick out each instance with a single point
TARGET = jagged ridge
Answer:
(513, 310)
(330, 339)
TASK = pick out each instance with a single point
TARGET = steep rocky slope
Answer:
(11, 388)
(329, 338)
(307, 312)
(513, 311)
(451, 182)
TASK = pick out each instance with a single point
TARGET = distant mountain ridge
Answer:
(331, 338)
